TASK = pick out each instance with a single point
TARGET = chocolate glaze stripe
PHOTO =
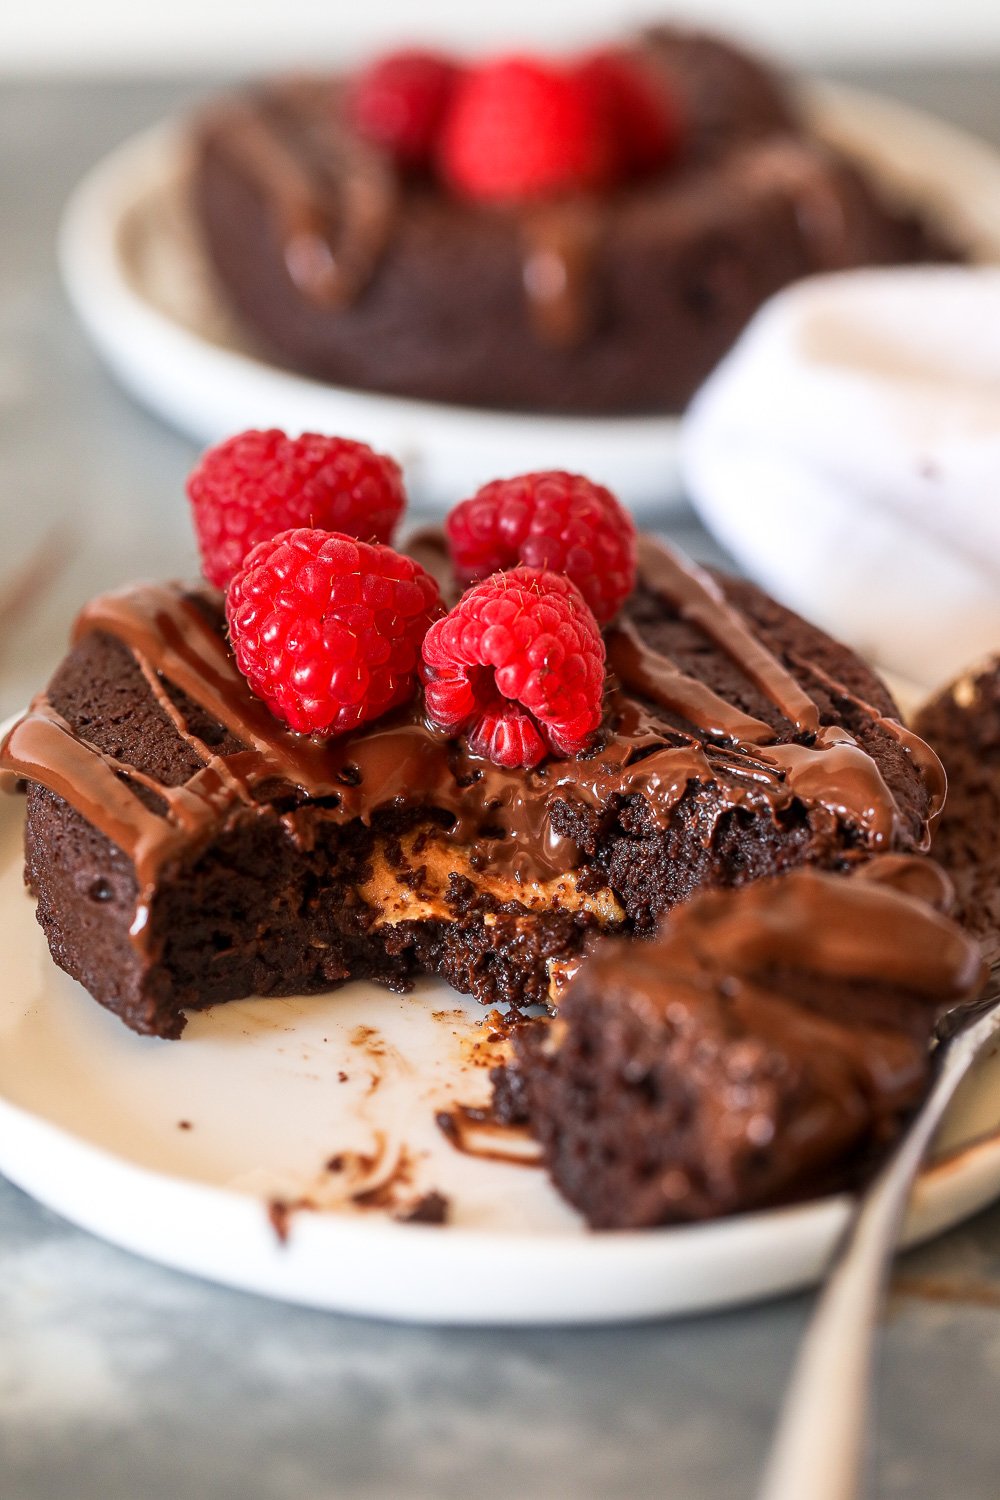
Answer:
(649, 672)
(561, 243)
(243, 133)
(698, 598)
(924, 758)
(854, 930)
(42, 747)
(832, 771)
(170, 633)
(911, 875)
(157, 687)
(841, 1058)
(837, 774)
(366, 196)
(867, 1068)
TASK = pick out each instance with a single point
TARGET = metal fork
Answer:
(817, 1450)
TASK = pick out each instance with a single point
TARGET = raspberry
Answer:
(642, 117)
(399, 102)
(521, 128)
(256, 484)
(552, 520)
(327, 629)
(518, 665)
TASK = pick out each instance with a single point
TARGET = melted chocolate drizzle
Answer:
(561, 244)
(506, 816)
(333, 198)
(878, 930)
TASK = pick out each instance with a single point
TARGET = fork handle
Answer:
(818, 1446)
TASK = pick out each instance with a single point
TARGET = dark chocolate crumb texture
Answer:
(963, 724)
(615, 300)
(186, 848)
(765, 1046)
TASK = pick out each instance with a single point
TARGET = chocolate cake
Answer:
(963, 724)
(186, 848)
(614, 301)
(766, 1045)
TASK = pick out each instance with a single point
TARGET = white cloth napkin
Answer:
(847, 453)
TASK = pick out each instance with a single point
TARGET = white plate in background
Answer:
(179, 1150)
(140, 283)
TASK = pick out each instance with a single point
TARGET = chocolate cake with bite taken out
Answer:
(582, 236)
(330, 763)
(186, 847)
(765, 1046)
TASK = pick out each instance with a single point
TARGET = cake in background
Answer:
(581, 235)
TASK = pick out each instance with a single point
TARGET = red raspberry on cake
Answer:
(521, 128)
(399, 102)
(518, 667)
(256, 484)
(643, 117)
(327, 629)
(562, 522)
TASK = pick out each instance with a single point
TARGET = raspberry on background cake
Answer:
(399, 102)
(582, 234)
(545, 783)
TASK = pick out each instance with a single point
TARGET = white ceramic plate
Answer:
(139, 281)
(178, 1150)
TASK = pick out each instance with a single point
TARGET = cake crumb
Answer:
(432, 1208)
